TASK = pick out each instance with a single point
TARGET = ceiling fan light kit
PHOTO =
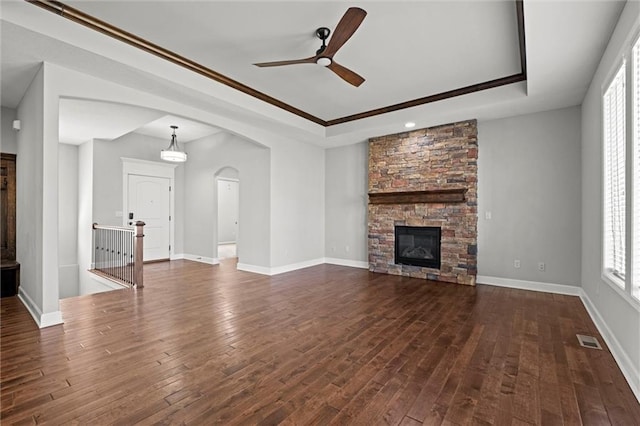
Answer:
(347, 26)
(324, 61)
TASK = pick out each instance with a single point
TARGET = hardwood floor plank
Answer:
(203, 344)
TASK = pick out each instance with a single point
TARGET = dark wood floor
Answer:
(205, 344)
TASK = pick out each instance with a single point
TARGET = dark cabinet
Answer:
(10, 269)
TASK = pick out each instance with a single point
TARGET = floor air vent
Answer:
(588, 341)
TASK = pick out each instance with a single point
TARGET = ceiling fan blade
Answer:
(311, 60)
(346, 74)
(347, 26)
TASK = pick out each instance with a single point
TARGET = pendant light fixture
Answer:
(173, 153)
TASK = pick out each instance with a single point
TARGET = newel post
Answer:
(137, 263)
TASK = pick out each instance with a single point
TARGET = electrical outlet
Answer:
(346, 248)
(516, 263)
(487, 215)
(541, 266)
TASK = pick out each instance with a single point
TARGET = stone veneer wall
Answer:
(442, 157)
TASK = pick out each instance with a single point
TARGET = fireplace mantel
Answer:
(455, 195)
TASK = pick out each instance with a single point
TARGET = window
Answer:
(635, 99)
(614, 178)
(621, 184)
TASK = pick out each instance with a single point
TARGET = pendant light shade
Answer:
(173, 153)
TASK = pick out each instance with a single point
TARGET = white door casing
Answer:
(149, 202)
(132, 166)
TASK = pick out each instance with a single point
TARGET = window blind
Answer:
(614, 176)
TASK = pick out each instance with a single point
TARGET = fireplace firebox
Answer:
(418, 246)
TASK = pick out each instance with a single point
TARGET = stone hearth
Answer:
(438, 160)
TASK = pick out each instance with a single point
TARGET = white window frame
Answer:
(628, 288)
(610, 275)
(634, 101)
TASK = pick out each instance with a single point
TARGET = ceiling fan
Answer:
(347, 26)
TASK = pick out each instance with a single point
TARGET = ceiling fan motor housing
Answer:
(323, 33)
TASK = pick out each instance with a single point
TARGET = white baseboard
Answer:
(295, 266)
(42, 320)
(631, 374)
(619, 354)
(264, 270)
(347, 262)
(530, 285)
(196, 258)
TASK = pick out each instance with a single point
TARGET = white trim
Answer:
(630, 373)
(347, 262)
(262, 270)
(134, 166)
(265, 270)
(143, 167)
(216, 196)
(631, 300)
(295, 266)
(201, 259)
(42, 320)
(227, 179)
(106, 282)
(530, 285)
(178, 256)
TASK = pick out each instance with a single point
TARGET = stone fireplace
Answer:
(418, 181)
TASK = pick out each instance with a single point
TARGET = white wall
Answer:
(36, 202)
(529, 180)
(346, 187)
(297, 203)
(29, 164)
(207, 157)
(85, 217)
(8, 137)
(620, 317)
(68, 220)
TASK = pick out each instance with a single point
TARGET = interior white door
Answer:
(228, 201)
(149, 201)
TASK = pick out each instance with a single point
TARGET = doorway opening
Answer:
(228, 201)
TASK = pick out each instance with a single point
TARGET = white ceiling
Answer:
(401, 48)
(188, 130)
(82, 120)
(405, 50)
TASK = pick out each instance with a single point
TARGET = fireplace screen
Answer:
(418, 246)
